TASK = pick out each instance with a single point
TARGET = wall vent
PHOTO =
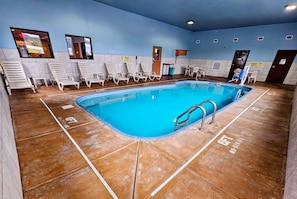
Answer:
(216, 66)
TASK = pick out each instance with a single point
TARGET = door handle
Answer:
(273, 66)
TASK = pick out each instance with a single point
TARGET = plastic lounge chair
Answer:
(112, 74)
(87, 76)
(15, 77)
(242, 76)
(133, 74)
(238, 72)
(151, 75)
(187, 71)
(200, 73)
(60, 76)
(195, 71)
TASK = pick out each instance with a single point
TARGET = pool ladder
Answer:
(179, 124)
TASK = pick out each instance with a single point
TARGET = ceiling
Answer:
(210, 14)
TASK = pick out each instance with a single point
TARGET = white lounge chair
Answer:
(60, 76)
(112, 74)
(87, 76)
(15, 77)
(151, 75)
(133, 74)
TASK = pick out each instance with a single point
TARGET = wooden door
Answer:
(76, 50)
(281, 65)
(239, 61)
(157, 54)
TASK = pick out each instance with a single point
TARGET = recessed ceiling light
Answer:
(190, 22)
(290, 7)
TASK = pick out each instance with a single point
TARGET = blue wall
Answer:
(274, 39)
(114, 31)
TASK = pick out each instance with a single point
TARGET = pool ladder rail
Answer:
(185, 122)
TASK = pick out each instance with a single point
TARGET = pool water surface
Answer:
(150, 112)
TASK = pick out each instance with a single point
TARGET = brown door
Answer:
(157, 53)
(239, 60)
(76, 50)
(281, 65)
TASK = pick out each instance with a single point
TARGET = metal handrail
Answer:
(179, 124)
(214, 109)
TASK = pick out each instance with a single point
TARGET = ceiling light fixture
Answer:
(290, 7)
(190, 22)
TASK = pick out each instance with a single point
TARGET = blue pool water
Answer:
(150, 112)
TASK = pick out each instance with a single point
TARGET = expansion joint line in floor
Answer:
(81, 152)
(136, 168)
(161, 186)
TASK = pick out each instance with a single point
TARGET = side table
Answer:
(39, 78)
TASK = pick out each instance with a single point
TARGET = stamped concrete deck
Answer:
(242, 155)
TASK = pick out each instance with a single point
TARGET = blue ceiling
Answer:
(210, 14)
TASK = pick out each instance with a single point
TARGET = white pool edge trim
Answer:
(203, 148)
(82, 153)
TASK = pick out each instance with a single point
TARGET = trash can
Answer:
(171, 71)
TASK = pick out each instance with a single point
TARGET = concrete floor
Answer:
(242, 155)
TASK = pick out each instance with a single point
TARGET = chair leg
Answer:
(77, 85)
(8, 90)
(116, 81)
(61, 87)
(33, 89)
(88, 83)
(136, 79)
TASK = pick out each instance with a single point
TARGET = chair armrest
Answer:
(6, 82)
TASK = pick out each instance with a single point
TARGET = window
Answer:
(32, 43)
(79, 47)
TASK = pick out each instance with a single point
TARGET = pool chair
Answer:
(87, 76)
(252, 76)
(238, 72)
(60, 76)
(15, 77)
(188, 70)
(194, 71)
(112, 74)
(133, 74)
(151, 75)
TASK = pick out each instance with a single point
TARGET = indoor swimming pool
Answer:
(151, 112)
